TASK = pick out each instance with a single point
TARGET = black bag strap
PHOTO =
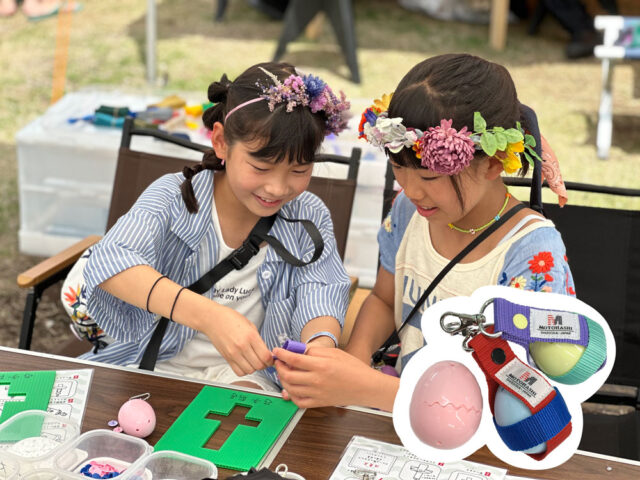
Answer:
(531, 120)
(313, 233)
(394, 337)
(236, 260)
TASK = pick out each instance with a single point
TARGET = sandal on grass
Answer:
(8, 8)
(60, 7)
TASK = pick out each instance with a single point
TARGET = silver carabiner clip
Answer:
(462, 322)
(468, 325)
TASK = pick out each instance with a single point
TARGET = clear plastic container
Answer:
(32, 438)
(117, 450)
(8, 468)
(47, 474)
(70, 167)
(170, 465)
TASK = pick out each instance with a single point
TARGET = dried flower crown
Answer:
(308, 91)
(443, 149)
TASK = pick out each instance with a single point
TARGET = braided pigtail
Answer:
(217, 94)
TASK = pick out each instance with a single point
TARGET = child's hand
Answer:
(239, 342)
(323, 376)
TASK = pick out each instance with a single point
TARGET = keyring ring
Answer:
(142, 396)
(481, 325)
(284, 472)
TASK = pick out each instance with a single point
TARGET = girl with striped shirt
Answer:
(266, 127)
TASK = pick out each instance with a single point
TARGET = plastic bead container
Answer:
(166, 465)
(33, 437)
(102, 446)
(8, 468)
(48, 474)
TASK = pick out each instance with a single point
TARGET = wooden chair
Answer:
(135, 171)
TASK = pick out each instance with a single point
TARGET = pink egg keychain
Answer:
(136, 417)
(446, 407)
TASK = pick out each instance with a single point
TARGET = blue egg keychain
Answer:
(529, 414)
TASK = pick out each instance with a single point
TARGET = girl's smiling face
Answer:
(262, 185)
(434, 195)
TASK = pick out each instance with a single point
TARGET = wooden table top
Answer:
(314, 447)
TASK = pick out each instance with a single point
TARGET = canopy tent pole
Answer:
(61, 55)
(151, 42)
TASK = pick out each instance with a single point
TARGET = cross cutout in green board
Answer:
(247, 444)
(221, 434)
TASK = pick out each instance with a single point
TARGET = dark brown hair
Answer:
(454, 86)
(294, 136)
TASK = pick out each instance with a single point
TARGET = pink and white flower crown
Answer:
(308, 91)
(443, 149)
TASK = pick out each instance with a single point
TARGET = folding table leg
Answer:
(605, 121)
(341, 15)
(296, 17)
(340, 12)
(220, 9)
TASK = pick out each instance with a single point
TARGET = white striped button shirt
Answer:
(160, 232)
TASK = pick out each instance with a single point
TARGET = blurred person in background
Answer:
(571, 14)
(36, 9)
(575, 19)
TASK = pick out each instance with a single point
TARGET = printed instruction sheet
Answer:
(366, 459)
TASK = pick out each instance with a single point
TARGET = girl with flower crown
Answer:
(266, 127)
(451, 128)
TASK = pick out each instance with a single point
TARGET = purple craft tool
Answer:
(295, 347)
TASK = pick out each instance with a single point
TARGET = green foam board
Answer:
(36, 387)
(247, 445)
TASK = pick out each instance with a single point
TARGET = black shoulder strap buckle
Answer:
(241, 256)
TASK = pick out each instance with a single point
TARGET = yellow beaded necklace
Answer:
(473, 231)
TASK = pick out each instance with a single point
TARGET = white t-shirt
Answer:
(238, 290)
(417, 267)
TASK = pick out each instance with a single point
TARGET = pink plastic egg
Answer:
(446, 406)
(137, 418)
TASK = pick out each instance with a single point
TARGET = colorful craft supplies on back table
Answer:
(171, 114)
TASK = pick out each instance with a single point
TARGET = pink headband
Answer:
(238, 107)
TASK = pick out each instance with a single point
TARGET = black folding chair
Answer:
(603, 248)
